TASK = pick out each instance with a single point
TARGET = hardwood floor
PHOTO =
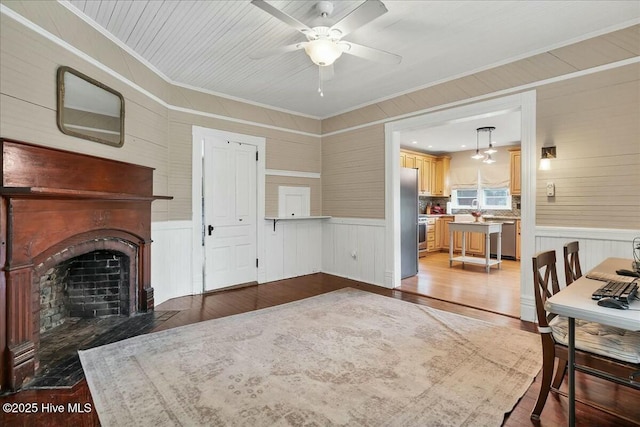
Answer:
(214, 305)
(498, 291)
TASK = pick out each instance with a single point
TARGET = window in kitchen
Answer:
(464, 198)
(495, 198)
(488, 198)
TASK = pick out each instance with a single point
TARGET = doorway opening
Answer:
(470, 285)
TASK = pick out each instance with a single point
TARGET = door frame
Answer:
(524, 102)
(198, 258)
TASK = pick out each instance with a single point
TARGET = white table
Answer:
(575, 302)
(476, 227)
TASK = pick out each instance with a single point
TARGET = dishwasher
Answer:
(508, 239)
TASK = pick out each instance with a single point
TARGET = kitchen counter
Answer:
(501, 217)
(486, 227)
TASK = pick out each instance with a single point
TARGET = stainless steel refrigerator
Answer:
(408, 222)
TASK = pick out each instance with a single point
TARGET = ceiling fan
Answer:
(324, 44)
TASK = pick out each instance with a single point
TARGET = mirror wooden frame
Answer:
(90, 119)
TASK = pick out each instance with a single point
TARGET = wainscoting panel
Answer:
(171, 264)
(596, 244)
(354, 248)
(293, 249)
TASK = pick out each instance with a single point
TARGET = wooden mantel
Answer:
(56, 204)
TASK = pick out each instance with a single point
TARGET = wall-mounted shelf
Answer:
(275, 219)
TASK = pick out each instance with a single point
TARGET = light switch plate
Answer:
(551, 189)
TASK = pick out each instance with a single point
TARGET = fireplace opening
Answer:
(91, 285)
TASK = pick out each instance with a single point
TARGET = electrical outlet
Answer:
(551, 189)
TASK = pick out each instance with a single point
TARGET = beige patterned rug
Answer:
(346, 358)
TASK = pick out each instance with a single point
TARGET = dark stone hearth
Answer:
(59, 362)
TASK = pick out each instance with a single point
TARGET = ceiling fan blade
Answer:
(326, 72)
(363, 14)
(277, 51)
(277, 13)
(370, 53)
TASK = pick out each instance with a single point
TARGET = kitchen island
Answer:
(476, 227)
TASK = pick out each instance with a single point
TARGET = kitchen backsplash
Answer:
(423, 202)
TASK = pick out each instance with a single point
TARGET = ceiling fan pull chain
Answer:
(320, 82)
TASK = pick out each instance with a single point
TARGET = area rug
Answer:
(346, 358)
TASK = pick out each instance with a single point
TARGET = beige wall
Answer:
(593, 120)
(156, 135)
(353, 173)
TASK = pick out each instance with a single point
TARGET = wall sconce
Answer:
(548, 153)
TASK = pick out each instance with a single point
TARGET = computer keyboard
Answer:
(621, 291)
(609, 277)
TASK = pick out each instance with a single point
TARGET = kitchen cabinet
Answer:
(433, 172)
(518, 222)
(442, 232)
(416, 161)
(515, 183)
(427, 175)
(441, 177)
(431, 234)
(475, 243)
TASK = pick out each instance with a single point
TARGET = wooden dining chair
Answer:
(546, 285)
(572, 269)
(572, 272)
(545, 274)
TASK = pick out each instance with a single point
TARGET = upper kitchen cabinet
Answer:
(515, 186)
(433, 172)
(441, 179)
(426, 175)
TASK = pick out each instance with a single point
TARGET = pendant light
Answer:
(487, 154)
(490, 150)
(488, 159)
(477, 156)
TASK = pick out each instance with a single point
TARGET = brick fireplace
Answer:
(75, 236)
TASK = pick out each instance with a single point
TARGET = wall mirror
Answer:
(88, 109)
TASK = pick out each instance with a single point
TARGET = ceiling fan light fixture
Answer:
(323, 52)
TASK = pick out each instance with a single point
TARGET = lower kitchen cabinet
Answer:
(442, 232)
(431, 234)
(475, 243)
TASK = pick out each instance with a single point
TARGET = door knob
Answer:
(210, 228)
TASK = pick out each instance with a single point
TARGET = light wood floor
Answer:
(497, 292)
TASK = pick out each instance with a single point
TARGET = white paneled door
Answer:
(229, 188)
